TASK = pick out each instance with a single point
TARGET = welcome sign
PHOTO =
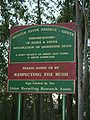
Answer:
(42, 59)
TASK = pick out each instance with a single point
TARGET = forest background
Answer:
(46, 106)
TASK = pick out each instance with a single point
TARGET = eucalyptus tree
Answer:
(68, 14)
(67, 11)
(11, 14)
(83, 16)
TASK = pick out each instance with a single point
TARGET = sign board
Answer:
(42, 86)
(42, 44)
(42, 57)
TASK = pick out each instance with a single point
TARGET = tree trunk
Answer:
(34, 107)
(14, 107)
(69, 107)
(86, 70)
(41, 106)
(51, 107)
(66, 15)
(80, 63)
(39, 13)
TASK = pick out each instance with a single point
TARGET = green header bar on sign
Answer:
(42, 86)
(42, 44)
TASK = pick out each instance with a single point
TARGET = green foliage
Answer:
(3, 71)
(11, 14)
(67, 12)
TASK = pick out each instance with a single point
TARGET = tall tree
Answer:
(67, 14)
(82, 10)
(8, 18)
(67, 11)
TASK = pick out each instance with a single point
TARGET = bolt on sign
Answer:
(42, 59)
